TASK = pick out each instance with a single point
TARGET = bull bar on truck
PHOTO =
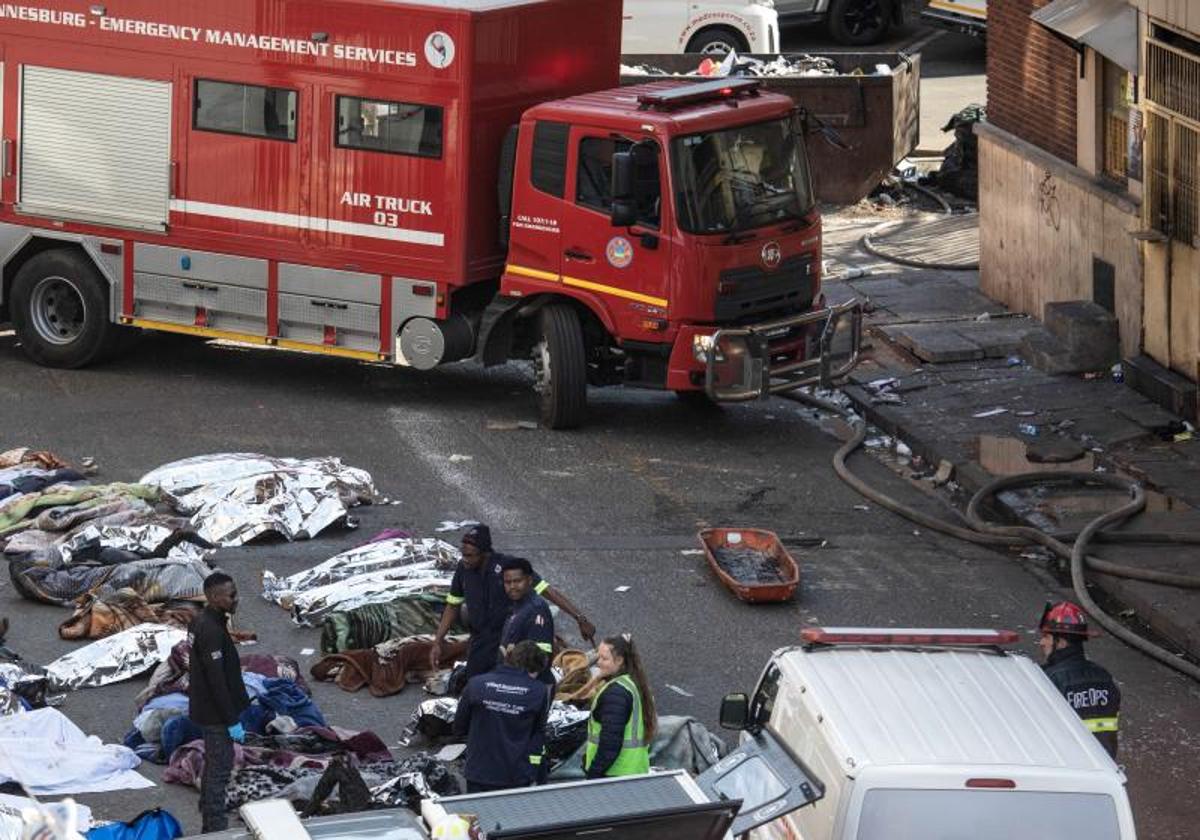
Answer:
(745, 352)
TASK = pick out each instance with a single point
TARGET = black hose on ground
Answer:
(981, 532)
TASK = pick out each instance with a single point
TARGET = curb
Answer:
(1144, 599)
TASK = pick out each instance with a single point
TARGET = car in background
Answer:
(690, 26)
(855, 23)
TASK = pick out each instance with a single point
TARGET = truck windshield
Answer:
(986, 815)
(741, 178)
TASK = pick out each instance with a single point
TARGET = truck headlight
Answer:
(701, 344)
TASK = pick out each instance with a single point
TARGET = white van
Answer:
(713, 27)
(920, 734)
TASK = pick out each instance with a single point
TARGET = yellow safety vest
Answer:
(634, 758)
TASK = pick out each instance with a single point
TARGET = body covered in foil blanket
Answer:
(154, 581)
(232, 498)
(395, 553)
(310, 608)
(115, 658)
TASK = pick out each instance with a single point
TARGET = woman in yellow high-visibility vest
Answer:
(623, 720)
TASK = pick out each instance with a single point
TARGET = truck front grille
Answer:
(753, 290)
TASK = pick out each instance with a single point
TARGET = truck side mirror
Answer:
(624, 212)
(622, 176)
(735, 711)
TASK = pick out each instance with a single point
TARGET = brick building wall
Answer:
(1031, 79)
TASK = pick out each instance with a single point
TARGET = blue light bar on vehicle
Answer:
(717, 89)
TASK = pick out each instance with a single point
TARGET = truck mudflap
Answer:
(744, 363)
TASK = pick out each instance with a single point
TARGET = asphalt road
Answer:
(615, 504)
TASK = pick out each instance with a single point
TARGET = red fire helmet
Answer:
(1065, 619)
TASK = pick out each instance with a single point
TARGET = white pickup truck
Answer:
(713, 27)
(919, 734)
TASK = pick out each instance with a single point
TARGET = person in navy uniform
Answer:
(503, 714)
(477, 594)
(530, 619)
(1088, 687)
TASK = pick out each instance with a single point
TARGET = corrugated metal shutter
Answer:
(95, 148)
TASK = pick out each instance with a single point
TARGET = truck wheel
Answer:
(560, 368)
(60, 310)
(718, 40)
(857, 23)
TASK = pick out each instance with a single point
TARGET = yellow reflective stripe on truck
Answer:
(579, 283)
(1103, 724)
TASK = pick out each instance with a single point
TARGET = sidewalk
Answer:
(961, 396)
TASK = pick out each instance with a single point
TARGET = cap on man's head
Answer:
(479, 536)
(519, 564)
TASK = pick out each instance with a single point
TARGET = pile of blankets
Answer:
(392, 565)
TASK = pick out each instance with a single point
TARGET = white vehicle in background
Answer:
(919, 734)
(969, 16)
(855, 23)
(712, 27)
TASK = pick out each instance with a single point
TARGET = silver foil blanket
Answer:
(115, 658)
(408, 557)
(232, 498)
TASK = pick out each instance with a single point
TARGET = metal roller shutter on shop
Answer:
(95, 148)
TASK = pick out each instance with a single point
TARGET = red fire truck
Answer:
(408, 182)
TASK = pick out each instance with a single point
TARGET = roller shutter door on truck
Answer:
(95, 148)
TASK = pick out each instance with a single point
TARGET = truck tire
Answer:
(858, 23)
(59, 310)
(718, 40)
(560, 368)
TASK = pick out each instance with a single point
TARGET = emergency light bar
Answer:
(907, 636)
(718, 89)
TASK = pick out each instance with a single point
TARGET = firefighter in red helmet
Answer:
(1088, 687)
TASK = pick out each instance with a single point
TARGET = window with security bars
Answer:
(1117, 98)
(1185, 183)
(1173, 79)
(1172, 151)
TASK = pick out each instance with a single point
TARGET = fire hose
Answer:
(1069, 546)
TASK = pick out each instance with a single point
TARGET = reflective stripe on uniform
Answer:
(535, 759)
(544, 647)
(541, 587)
(455, 600)
(1101, 724)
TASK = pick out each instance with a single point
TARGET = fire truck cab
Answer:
(416, 183)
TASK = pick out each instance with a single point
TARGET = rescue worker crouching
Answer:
(503, 714)
(623, 719)
(1088, 687)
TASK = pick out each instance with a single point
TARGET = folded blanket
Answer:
(385, 669)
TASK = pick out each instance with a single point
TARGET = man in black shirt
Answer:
(216, 695)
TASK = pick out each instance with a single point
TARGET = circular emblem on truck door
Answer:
(439, 50)
(619, 252)
(772, 254)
